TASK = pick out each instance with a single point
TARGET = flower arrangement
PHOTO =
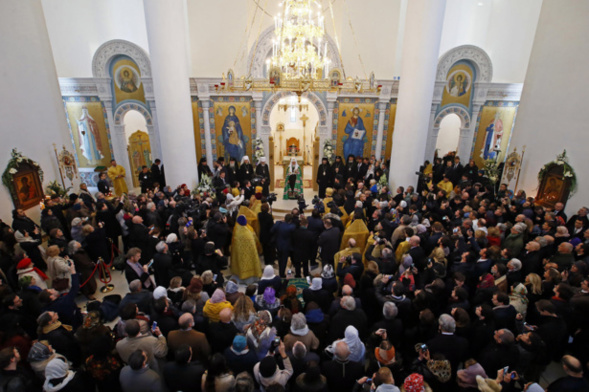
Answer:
(383, 181)
(568, 171)
(205, 187)
(258, 148)
(329, 151)
(17, 159)
(491, 170)
(53, 188)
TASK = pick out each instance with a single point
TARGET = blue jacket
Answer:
(283, 232)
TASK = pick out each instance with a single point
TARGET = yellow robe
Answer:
(245, 262)
(446, 186)
(118, 182)
(358, 231)
(252, 219)
(403, 248)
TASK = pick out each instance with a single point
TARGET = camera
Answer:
(271, 198)
(315, 200)
(423, 347)
(318, 203)
(302, 204)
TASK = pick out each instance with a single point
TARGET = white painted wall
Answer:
(503, 28)
(78, 27)
(449, 134)
(32, 116)
(552, 112)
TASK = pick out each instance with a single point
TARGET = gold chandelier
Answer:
(299, 50)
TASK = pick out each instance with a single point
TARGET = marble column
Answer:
(382, 106)
(421, 46)
(167, 36)
(32, 116)
(206, 105)
(323, 136)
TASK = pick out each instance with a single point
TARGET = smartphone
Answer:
(368, 380)
(154, 326)
(150, 263)
(513, 376)
(505, 369)
(215, 277)
(423, 347)
(277, 341)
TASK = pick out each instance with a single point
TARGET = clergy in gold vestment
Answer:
(358, 231)
(245, 262)
(116, 174)
(252, 219)
(350, 250)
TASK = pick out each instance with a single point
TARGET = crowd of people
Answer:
(455, 286)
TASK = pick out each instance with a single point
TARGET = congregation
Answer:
(449, 284)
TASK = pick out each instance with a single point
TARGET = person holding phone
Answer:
(267, 372)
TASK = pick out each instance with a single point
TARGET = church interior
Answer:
(191, 82)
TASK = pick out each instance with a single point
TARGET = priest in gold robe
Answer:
(245, 262)
(117, 174)
(348, 251)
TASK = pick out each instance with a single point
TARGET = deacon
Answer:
(117, 173)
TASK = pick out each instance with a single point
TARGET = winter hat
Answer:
(39, 351)
(241, 219)
(268, 367)
(298, 324)
(349, 280)
(239, 343)
(414, 383)
(24, 263)
(76, 221)
(269, 295)
(403, 204)
(218, 296)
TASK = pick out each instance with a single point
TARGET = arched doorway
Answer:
(449, 134)
(138, 143)
(293, 127)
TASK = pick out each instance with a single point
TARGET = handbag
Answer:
(60, 284)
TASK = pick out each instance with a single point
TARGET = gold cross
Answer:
(304, 119)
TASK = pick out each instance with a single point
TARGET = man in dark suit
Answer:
(454, 348)
(157, 173)
(283, 231)
(145, 180)
(417, 253)
(304, 251)
(329, 242)
(455, 171)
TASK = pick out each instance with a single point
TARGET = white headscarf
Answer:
(357, 348)
(316, 284)
(268, 272)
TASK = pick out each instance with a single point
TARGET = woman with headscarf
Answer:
(269, 278)
(268, 301)
(232, 292)
(316, 293)
(293, 186)
(244, 312)
(351, 338)
(215, 304)
(300, 332)
(92, 329)
(290, 300)
(260, 334)
(245, 262)
(58, 269)
(39, 356)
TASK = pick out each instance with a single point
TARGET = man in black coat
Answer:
(347, 315)
(304, 250)
(157, 173)
(221, 333)
(106, 213)
(329, 241)
(341, 374)
(500, 352)
(324, 177)
(262, 170)
(183, 374)
(454, 348)
(266, 221)
(145, 180)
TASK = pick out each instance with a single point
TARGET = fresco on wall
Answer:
(89, 131)
(233, 127)
(127, 81)
(355, 127)
(494, 127)
(459, 85)
(389, 128)
(198, 126)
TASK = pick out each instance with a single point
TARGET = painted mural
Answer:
(233, 126)
(389, 127)
(494, 127)
(127, 81)
(199, 129)
(355, 127)
(459, 85)
(89, 131)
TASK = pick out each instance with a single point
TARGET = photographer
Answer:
(381, 251)
(267, 372)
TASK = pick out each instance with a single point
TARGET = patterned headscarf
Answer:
(414, 383)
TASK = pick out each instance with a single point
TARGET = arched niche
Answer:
(111, 49)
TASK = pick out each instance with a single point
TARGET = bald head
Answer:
(352, 243)
(414, 240)
(342, 351)
(565, 247)
(572, 366)
(186, 321)
(137, 220)
(347, 290)
(225, 315)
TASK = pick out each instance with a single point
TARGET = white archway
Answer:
(108, 50)
(448, 134)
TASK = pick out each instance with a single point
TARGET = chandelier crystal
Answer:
(300, 47)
